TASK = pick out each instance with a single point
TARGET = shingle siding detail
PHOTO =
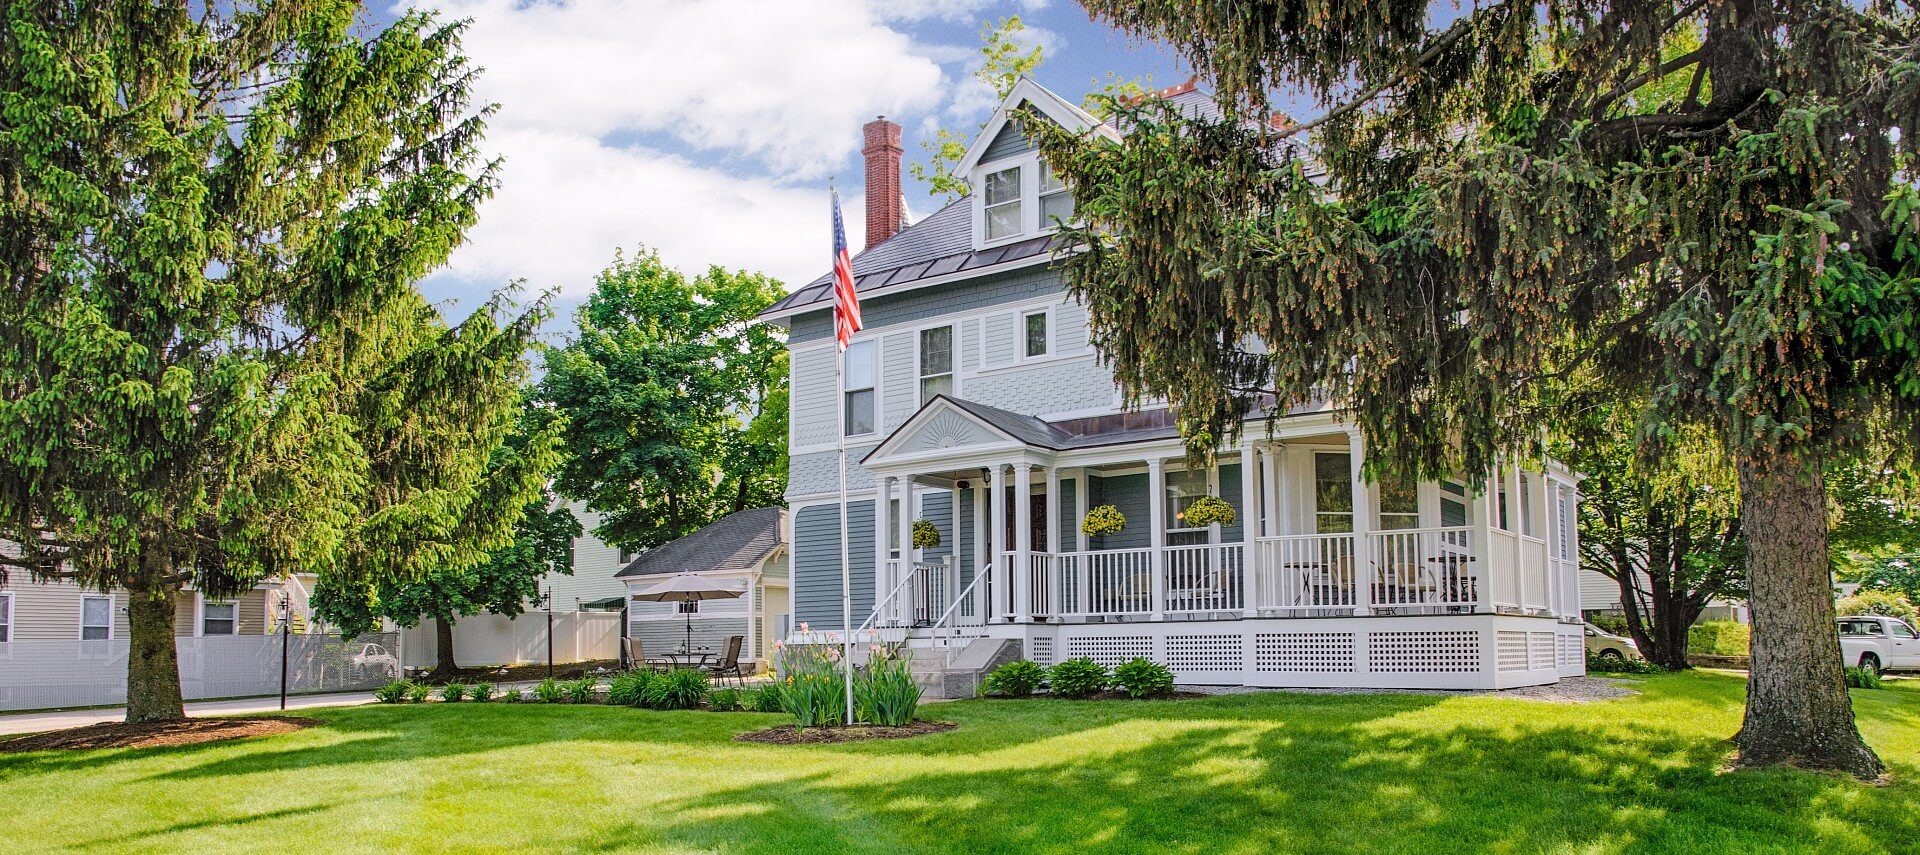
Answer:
(1054, 386)
(817, 472)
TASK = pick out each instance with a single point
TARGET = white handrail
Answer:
(978, 577)
(882, 605)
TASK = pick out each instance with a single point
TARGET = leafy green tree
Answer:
(675, 400)
(502, 584)
(1516, 192)
(214, 364)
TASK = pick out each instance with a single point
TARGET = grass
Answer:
(1248, 773)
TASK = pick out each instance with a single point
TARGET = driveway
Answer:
(14, 724)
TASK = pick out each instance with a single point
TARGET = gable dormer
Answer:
(1015, 196)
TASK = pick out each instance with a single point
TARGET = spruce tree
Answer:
(1707, 204)
(215, 365)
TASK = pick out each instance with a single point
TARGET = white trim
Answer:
(80, 630)
(879, 403)
(200, 605)
(6, 611)
(1020, 334)
(953, 360)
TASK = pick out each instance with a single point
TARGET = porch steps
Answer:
(953, 674)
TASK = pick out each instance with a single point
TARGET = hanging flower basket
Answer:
(926, 535)
(1207, 510)
(1105, 519)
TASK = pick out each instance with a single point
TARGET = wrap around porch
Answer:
(1311, 537)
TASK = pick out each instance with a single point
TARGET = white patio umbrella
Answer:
(688, 588)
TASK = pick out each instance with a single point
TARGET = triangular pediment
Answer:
(941, 426)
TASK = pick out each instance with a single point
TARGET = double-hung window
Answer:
(1035, 329)
(216, 619)
(1002, 201)
(1332, 492)
(96, 618)
(936, 362)
(1056, 201)
(861, 403)
(688, 607)
(1399, 505)
(6, 618)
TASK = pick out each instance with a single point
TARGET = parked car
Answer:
(375, 657)
(1603, 643)
(1879, 643)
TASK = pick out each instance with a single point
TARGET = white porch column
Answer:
(1270, 487)
(753, 633)
(998, 581)
(882, 556)
(1516, 523)
(982, 545)
(903, 601)
(1023, 541)
(1082, 494)
(1249, 530)
(1363, 575)
(1157, 529)
(1483, 518)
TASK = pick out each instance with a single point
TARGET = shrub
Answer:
(418, 693)
(1016, 679)
(1719, 638)
(723, 700)
(766, 699)
(1140, 678)
(481, 692)
(926, 535)
(1105, 519)
(812, 687)
(1207, 510)
(679, 689)
(1077, 678)
(1886, 603)
(581, 691)
(549, 691)
(629, 689)
(1863, 678)
(394, 692)
(513, 696)
(453, 692)
(1609, 665)
(884, 692)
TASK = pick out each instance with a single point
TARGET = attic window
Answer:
(1056, 203)
(1003, 203)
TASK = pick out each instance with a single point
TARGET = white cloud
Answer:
(684, 126)
(944, 10)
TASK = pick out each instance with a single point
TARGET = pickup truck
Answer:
(1879, 643)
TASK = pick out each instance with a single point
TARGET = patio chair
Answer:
(637, 658)
(728, 664)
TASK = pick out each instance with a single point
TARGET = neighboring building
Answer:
(746, 550)
(595, 564)
(975, 400)
(64, 611)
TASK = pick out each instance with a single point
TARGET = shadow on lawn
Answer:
(1347, 787)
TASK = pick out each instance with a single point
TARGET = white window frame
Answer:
(200, 617)
(1040, 194)
(6, 616)
(1020, 334)
(81, 630)
(841, 406)
(681, 607)
(1031, 225)
(920, 377)
(1020, 199)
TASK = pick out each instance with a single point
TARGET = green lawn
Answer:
(1250, 773)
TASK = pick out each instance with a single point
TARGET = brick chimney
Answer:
(886, 207)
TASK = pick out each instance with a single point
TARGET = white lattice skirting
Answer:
(1443, 652)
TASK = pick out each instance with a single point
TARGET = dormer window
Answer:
(1002, 199)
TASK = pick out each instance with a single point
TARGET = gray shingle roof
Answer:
(1087, 432)
(736, 541)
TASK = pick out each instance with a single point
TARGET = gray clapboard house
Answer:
(747, 550)
(974, 400)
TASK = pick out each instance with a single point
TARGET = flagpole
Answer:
(846, 567)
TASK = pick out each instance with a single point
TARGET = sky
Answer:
(708, 130)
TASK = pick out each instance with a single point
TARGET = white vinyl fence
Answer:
(47, 674)
(498, 640)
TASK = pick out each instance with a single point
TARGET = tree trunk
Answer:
(1798, 710)
(153, 668)
(444, 666)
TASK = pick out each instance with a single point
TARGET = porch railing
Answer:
(1305, 573)
(1205, 578)
(1421, 567)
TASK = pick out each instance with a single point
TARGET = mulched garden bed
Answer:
(1103, 696)
(154, 735)
(788, 735)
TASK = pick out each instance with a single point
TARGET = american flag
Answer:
(846, 303)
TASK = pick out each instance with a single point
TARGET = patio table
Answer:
(687, 660)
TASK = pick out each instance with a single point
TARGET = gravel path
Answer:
(1570, 690)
